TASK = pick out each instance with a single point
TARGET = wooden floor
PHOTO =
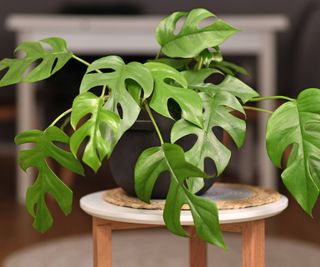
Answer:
(16, 225)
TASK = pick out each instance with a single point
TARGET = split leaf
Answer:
(297, 123)
(217, 113)
(170, 84)
(229, 84)
(119, 80)
(97, 148)
(191, 39)
(46, 181)
(51, 60)
(170, 157)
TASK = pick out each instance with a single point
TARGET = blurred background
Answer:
(297, 67)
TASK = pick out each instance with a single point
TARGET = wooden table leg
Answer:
(102, 243)
(197, 250)
(253, 244)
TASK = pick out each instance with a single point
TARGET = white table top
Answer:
(94, 205)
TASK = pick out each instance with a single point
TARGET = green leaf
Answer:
(229, 68)
(217, 113)
(46, 181)
(297, 123)
(52, 60)
(118, 81)
(191, 39)
(229, 84)
(169, 83)
(207, 57)
(170, 157)
(97, 147)
(197, 77)
(177, 63)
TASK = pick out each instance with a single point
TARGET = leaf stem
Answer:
(60, 117)
(88, 64)
(255, 99)
(258, 109)
(199, 65)
(145, 103)
(158, 54)
(84, 62)
(103, 91)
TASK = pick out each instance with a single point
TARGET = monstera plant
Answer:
(112, 95)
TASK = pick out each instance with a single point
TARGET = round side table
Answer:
(250, 222)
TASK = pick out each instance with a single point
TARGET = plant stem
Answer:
(153, 121)
(84, 62)
(258, 109)
(103, 91)
(158, 54)
(88, 64)
(60, 117)
(199, 65)
(271, 98)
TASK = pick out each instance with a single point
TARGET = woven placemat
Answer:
(225, 195)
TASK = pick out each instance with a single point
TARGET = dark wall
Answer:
(294, 9)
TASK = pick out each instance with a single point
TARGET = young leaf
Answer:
(191, 39)
(217, 113)
(46, 181)
(177, 63)
(297, 123)
(97, 147)
(52, 60)
(229, 84)
(170, 157)
(169, 83)
(116, 81)
(229, 68)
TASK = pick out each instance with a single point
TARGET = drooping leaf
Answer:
(217, 113)
(46, 181)
(52, 60)
(117, 81)
(229, 84)
(170, 157)
(192, 38)
(169, 83)
(97, 147)
(297, 123)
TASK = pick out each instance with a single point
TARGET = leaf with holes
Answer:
(217, 113)
(297, 123)
(117, 80)
(229, 84)
(169, 83)
(191, 39)
(170, 157)
(97, 148)
(52, 60)
(46, 181)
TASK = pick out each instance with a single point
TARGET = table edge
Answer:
(154, 217)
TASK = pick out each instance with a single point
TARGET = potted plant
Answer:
(175, 85)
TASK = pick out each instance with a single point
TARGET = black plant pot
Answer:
(140, 137)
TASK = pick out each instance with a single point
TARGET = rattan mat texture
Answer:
(225, 195)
